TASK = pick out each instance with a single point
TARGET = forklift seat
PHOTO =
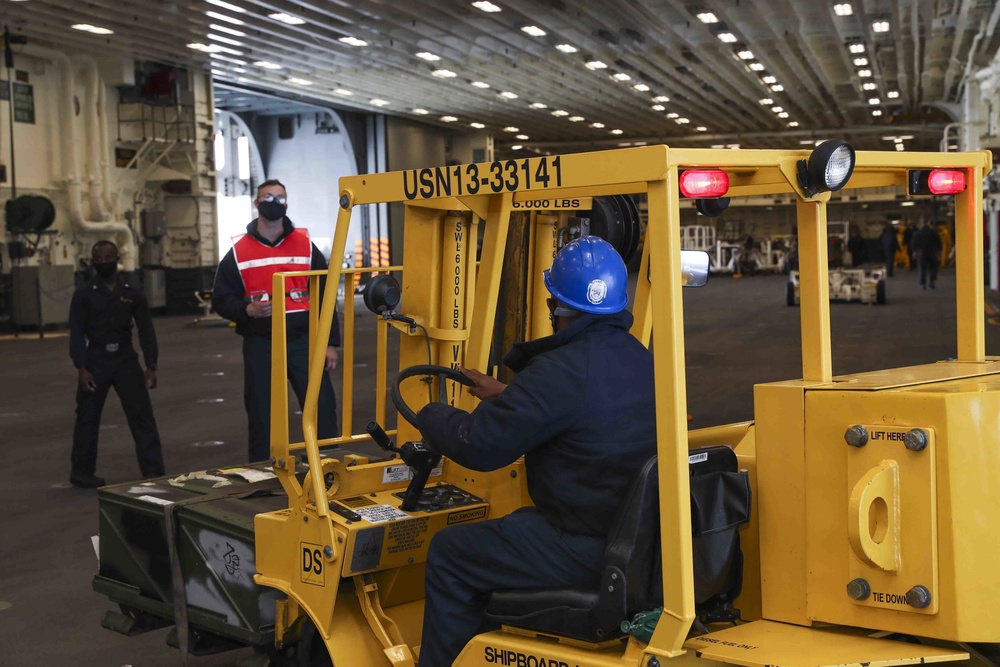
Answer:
(630, 577)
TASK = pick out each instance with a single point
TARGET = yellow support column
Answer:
(454, 251)
(969, 276)
(543, 250)
(814, 290)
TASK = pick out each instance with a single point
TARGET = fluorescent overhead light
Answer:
(745, 55)
(204, 48)
(353, 41)
(727, 37)
(567, 48)
(769, 79)
(777, 109)
(428, 56)
(538, 105)
(869, 86)
(707, 17)
(95, 29)
(701, 128)
(444, 73)
(641, 87)
(595, 64)
(673, 115)
(478, 126)
(658, 107)
(533, 30)
(522, 137)
(892, 94)
(794, 123)
(509, 95)
(899, 147)
(864, 73)
(767, 101)
(226, 5)
(511, 128)
(783, 114)
(575, 119)
(420, 112)
(485, 6)
(757, 67)
(342, 91)
(777, 88)
(880, 26)
(224, 40)
(449, 119)
(682, 121)
(223, 17)
(878, 112)
(299, 81)
(264, 64)
(843, 9)
(597, 126)
(661, 98)
(480, 84)
(621, 76)
(907, 203)
(874, 100)
(560, 112)
(516, 147)
(378, 102)
(286, 18)
(229, 31)
(860, 62)
(616, 131)
(856, 48)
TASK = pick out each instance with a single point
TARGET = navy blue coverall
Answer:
(100, 329)
(926, 245)
(581, 413)
(228, 301)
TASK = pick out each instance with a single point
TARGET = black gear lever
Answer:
(420, 459)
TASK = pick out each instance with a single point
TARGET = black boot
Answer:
(86, 480)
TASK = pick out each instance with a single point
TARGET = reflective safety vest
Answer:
(258, 262)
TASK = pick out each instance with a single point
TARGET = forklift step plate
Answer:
(771, 644)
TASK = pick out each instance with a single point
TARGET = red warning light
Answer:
(946, 181)
(702, 183)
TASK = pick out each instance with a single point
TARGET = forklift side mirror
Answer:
(694, 268)
(382, 294)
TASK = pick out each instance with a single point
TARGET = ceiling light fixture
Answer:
(575, 119)
(508, 95)
(538, 105)
(892, 94)
(661, 98)
(843, 9)
(346, 93)
(861, 62)
(707, 17)
(353, 41)
(616, 131)
(874, 101)
(745, 55)
(864, 73)
(204, 48)
(595, 64)
(420, 112)
(486, 6)
(534, 31)
(226, 5)
(560, 112)
(478, 126)
(641, 87)
(777, 109)
(444, 74)
(783, 114)
(701, 128)
(597, 126)
(769, 79)
(767, 101)
(286, 18)
(757, 67)
(223, 17)
(522, 137)
(777, 88)
(480, 84)
(880, 26)
(673, 115)
(516, 147)
(378, 103)
(869, 86)
(659, 107)
(567, 48)
(262, 63)
(621, 76)
(727, 37)
(428, 56)
(877, 112)
(857, 47)
(299, 82)
(511, 128)
(794, 123)
(682, 121)
(449, 119)
(95, 29)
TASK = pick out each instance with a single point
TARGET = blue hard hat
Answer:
(589, 275)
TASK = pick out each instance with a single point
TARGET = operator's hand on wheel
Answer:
(485, 386)
(150, 378)
(259, 309)
(331, 358)
(87, 381)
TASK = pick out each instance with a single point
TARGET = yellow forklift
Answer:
(868, 530)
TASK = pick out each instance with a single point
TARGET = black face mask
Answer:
(105, 269)
(272, 210)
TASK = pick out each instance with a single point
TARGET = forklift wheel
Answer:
(880, 292)
(311, 650)
(790, 294)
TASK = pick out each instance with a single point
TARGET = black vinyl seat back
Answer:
(631, 575)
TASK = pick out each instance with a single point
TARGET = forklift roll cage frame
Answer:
(436, 200)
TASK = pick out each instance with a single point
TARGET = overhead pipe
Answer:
(121, 230)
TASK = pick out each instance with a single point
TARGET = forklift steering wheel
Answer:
(441, 372)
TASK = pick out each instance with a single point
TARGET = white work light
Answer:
(828, 168)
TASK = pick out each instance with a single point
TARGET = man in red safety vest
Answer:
(242, 293)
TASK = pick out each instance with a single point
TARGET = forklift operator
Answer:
(581, 412)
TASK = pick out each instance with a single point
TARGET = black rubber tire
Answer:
(311, 649)
(880, 298)
(790, 294)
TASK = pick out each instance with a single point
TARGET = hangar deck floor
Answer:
(738, 332)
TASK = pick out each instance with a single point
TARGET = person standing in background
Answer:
(926, 247)
(242, 294)
(100, 344)
(889, 245)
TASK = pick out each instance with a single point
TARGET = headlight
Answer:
(829, 167)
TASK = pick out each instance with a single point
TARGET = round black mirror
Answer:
(712, 207)
(382, 294)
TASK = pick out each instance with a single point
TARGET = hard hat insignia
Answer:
(596, 291)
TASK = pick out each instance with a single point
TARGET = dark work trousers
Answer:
(126, 376)
(928, 270)
(257, 391)
(467, 563)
